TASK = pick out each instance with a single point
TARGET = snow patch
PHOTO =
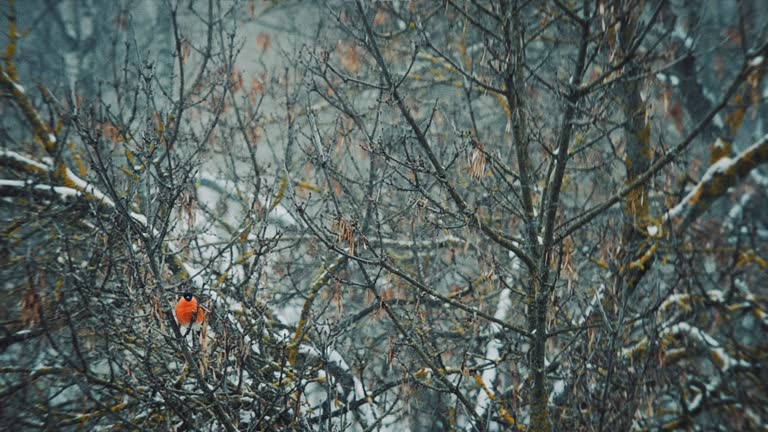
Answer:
(719, 121)
(492, 350)
(63, 191)
(718, 354)
(23, 159)
(680, 33)
(140, 218)
(710, 266)
(716, 295)
(694, 404)
(720, 144)
(596, 299)
(718, 167)
(89, 188)
(558, 389)
(668, 79)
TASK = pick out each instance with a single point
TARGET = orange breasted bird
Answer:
(188, 310)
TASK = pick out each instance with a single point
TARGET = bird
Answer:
(187, 311)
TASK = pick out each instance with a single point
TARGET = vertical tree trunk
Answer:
(539, 411)
(637, 134)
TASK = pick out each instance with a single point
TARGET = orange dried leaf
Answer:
(676, 112)
(31, 308)
(734, 119)
(236, 81)
(186, 49)
(345, 233)
(380, 17)
(349, 57)
(263, 41)
(257, 86)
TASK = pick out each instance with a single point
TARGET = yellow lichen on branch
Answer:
(750, 256)
(502, 101)
(9, 82)
(720, 149)
(719, 177)
(279, 195)
(13, 37)
(736, 117)
(306, 185)
(639, 264)
(43, 134)
(320, 281)
(502, 411)
(600, 263)
(23, 163)
(81, 169)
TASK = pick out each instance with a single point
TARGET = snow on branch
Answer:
(720, 176)
(717, 353)
(23, 163)
(17, 187)
(76, 187)
(42, 133)
(492, 354)
(339, 367)
(70, 181)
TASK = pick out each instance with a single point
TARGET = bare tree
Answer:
(555, 142)
(400, 215)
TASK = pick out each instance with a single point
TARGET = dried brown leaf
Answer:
(263, 41)
(349, 57)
